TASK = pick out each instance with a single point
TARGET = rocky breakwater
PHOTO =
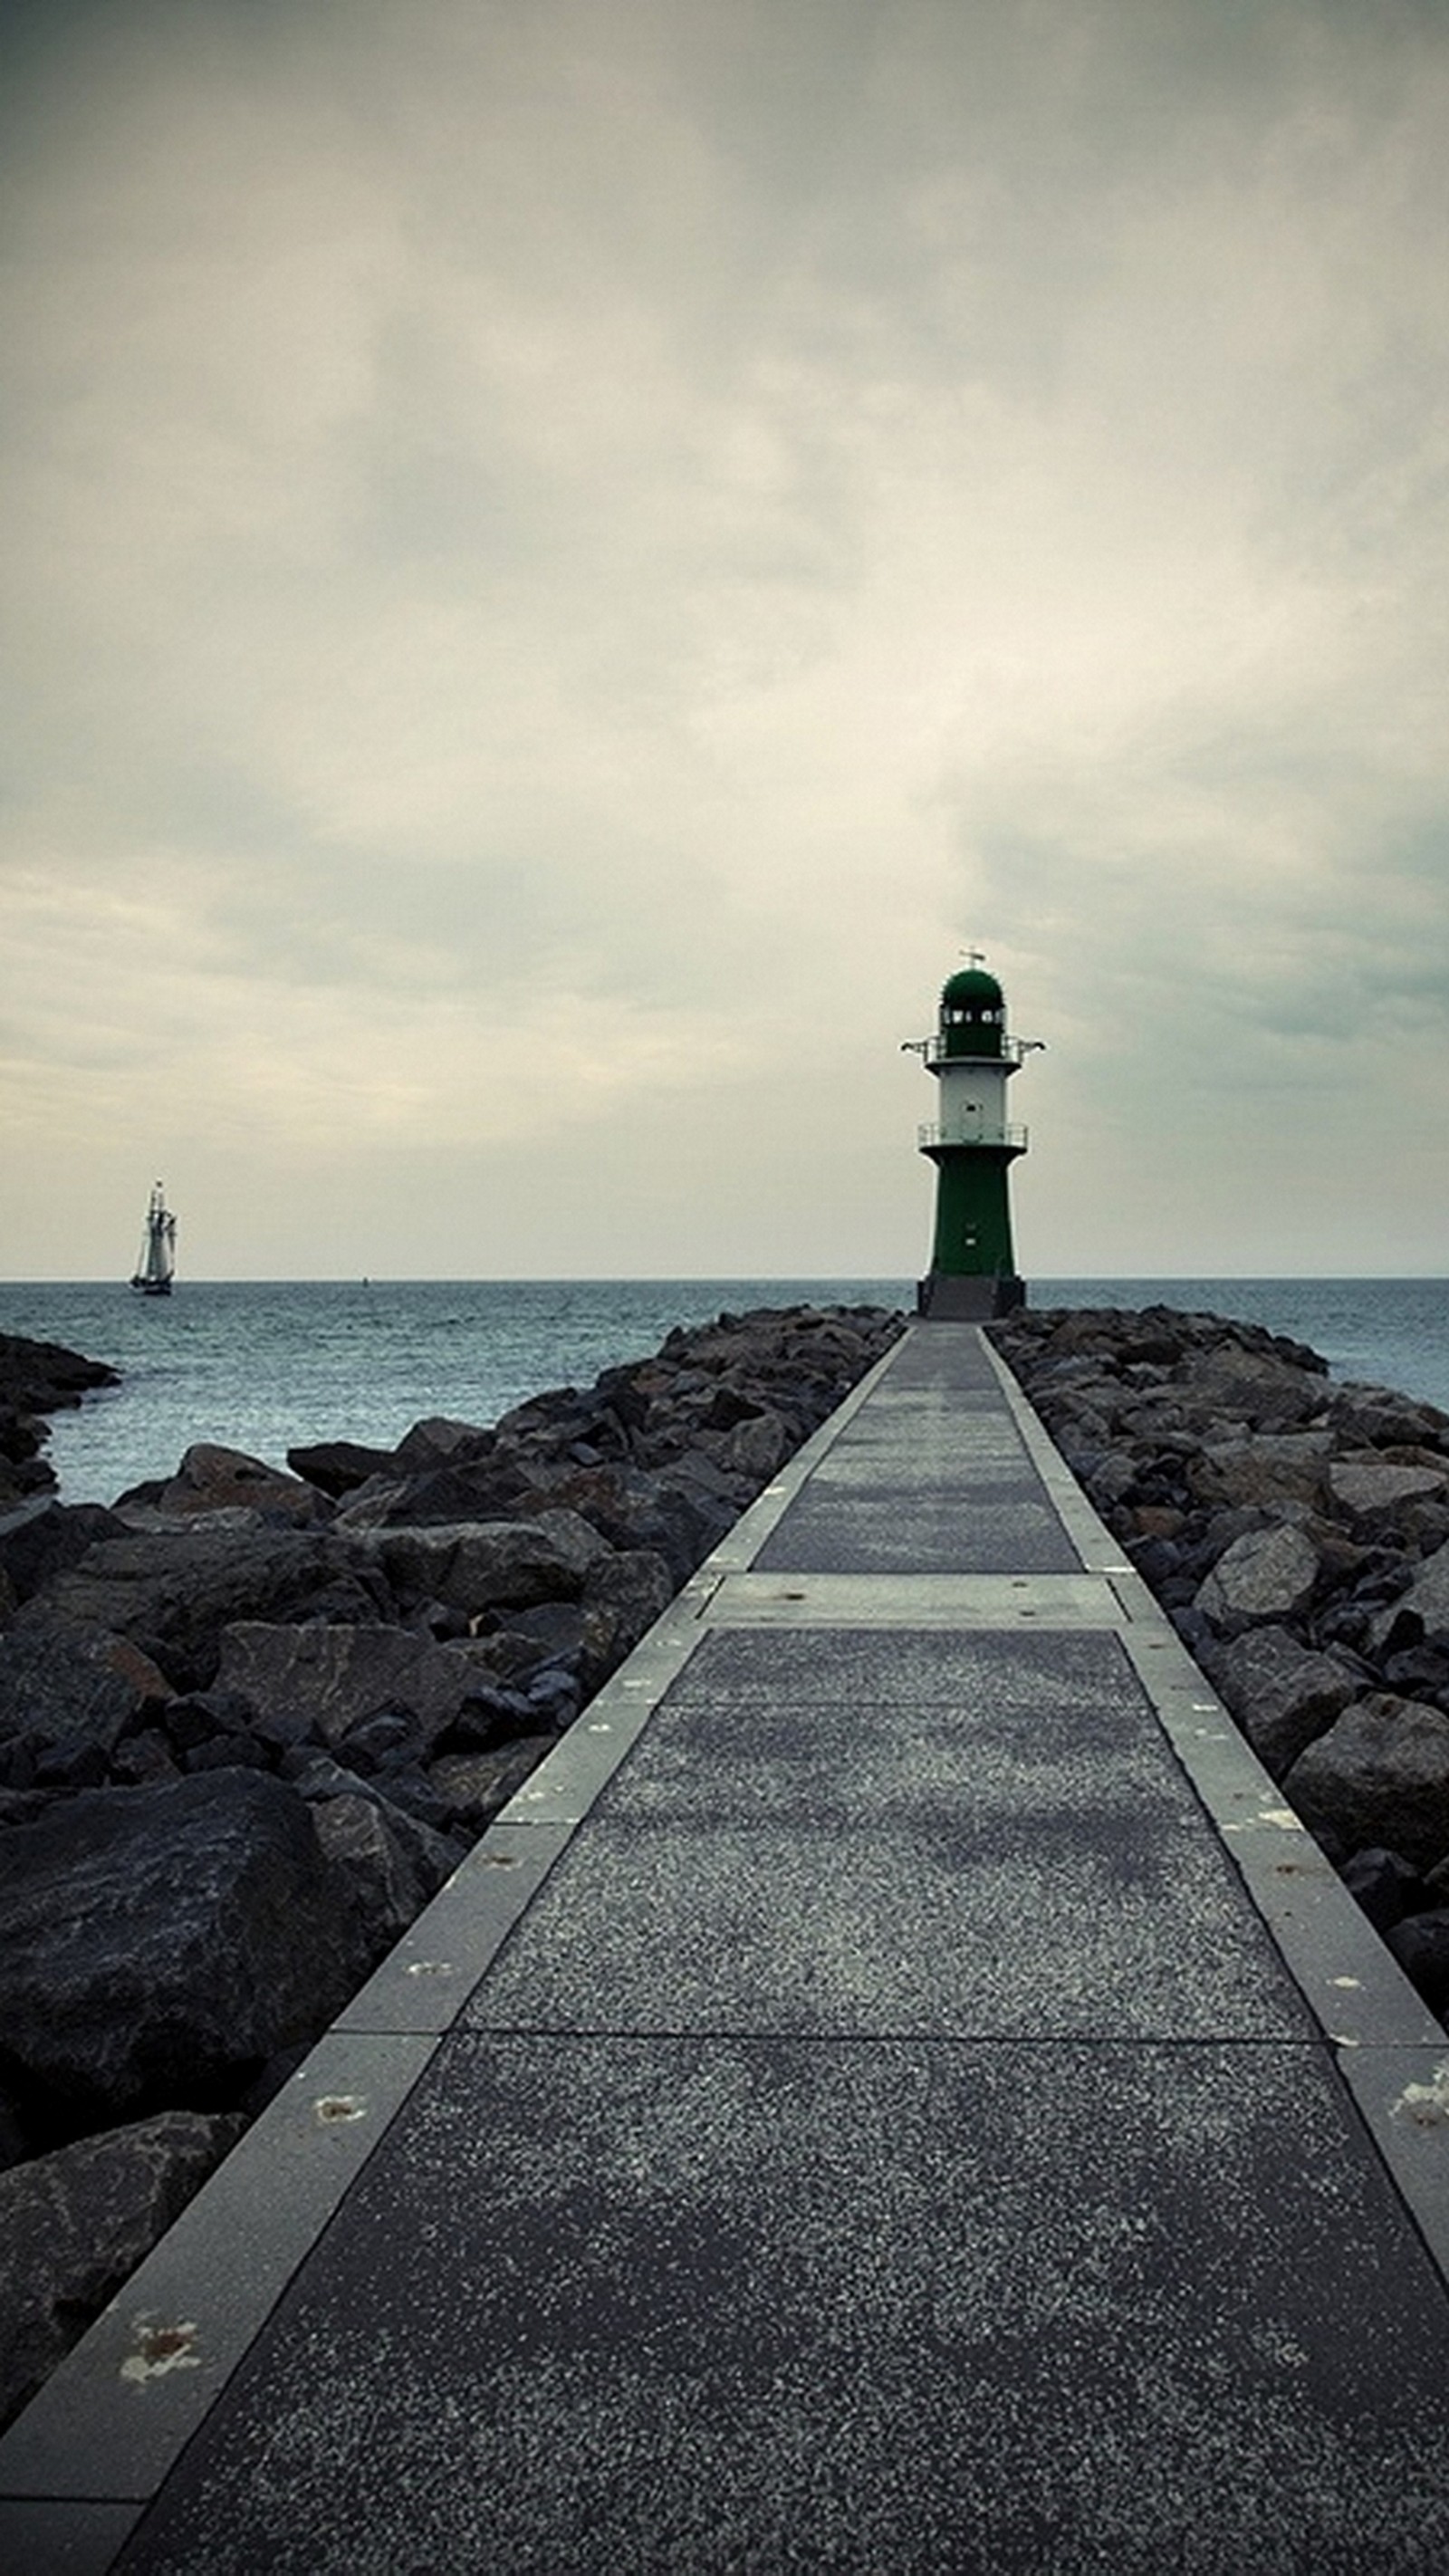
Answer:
(1297, 1534)
(37, 1378)
(250, 1720)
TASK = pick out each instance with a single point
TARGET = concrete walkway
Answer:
(896, 2091)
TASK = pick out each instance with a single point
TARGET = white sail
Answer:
(156, 1267)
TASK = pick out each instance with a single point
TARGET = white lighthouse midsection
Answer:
(972, 1103)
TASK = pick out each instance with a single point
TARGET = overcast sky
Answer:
(565, 557)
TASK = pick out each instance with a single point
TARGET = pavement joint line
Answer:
(1310, 2043)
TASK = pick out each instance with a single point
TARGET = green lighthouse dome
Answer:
(973, 1013)
(971, 984)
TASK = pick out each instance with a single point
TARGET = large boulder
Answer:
(1380, 1776)
(44, 1377)
(69, 1692)
(76, 2223)
(757, 1447)
(1282, 1695)
(477, 1785)
(41, 1538)
(1251, 1385)
(1261, 1579)
(37, 1378)
(1420, 1943)
(338, 1678)
(1374, 1417)
(155, 1944)
(392, 1863)
(623, 1596)
(1369, 1488)
(213, 1479)
(174, 1591)
(489, 1565)
(1278, 1467)
(1420, 1615)
(338, 1467)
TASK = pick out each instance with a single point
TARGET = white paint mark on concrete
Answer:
(160, 2348)
(1426, 2105)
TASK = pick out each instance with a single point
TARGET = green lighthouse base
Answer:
(946, 1297)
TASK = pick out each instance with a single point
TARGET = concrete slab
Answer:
(863, 1831)
(902, 1530)
(617, 2306)
(917, 1927)
(933, 1475)
(792, 1601)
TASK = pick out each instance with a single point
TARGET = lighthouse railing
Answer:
(947, 1050)
(1010, 1139)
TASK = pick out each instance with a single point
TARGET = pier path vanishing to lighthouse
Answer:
(895, 2090)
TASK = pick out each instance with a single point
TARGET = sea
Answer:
(268, 1366)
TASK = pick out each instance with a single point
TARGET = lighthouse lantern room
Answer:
(973, 1146)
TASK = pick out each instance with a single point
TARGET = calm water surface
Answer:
(266, 1367)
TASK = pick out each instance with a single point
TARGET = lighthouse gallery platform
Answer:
(896, 2091)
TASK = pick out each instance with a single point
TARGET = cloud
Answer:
(567, 556)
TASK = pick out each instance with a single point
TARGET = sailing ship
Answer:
(157, 1266)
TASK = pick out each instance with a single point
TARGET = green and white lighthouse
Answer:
(973, 1266)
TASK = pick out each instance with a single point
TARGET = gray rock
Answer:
(1251, 1386)
(211, 1478)
(1421, 1945)
(556, 1628)
(36, 1378)
(1282, 1466)
(486, 1565)
(68, 1682)
(1369, 1488)
(1384, 1884)
(42, 1538)
(1374, 1417)
(1111, 1479)
(1266, 1576)
(633, 1589)
(758, 1447)
(155, 1943)
(477, 1785)
(1379, 1776)
(338, 1467)
(393, 1864)
(340, 1677)
(1420, 1615)
(173, 1591)
(75, 2224)
(429, 1443)
(1282, 1695)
